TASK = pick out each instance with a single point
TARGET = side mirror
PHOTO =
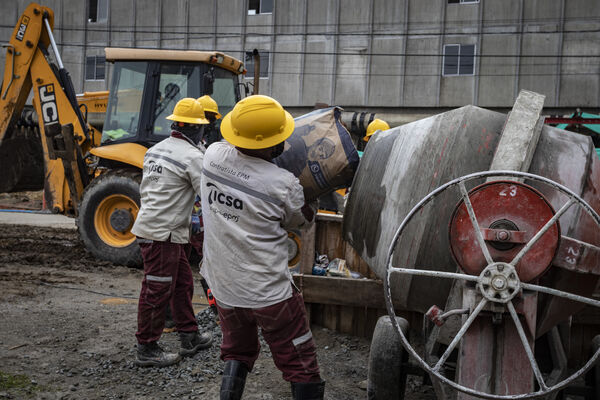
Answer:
(207, 81)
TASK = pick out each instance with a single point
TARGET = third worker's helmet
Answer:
(257, 122)
(375, 125)
(210, 105)
(188, 110)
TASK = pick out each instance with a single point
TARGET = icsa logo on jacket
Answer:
(154, 167)
(216, 196)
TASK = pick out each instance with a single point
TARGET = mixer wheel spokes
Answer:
(498, 282)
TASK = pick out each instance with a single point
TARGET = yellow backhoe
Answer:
(86, 172)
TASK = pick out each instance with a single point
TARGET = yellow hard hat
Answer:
(375, 125)
(210, 105)
(257, 122)
(188, 110)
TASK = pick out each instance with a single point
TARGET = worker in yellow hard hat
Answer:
(251, 204)
(170, 180)
(211, 110)
(375, 125)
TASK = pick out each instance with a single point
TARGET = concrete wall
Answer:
(376, 54)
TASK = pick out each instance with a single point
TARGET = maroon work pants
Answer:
(167, 280)
(285, 328)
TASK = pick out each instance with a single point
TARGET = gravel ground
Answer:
(68, 323)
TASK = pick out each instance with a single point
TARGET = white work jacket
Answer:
(247, 205)
(171, 179)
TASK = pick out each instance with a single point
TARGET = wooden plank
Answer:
(316, 314)
(347, 319)
(308, 307)
(341, 291)
(307, 249)
(360, 321)
(372, 315)
(330, 317)
(329, 239)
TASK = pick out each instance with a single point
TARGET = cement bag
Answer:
(320, 153)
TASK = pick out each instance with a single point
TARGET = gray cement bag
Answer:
(320, 153)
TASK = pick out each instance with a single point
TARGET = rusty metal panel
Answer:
(492, 355)
(569, 159)
(578, 256)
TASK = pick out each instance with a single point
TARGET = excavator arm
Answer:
(62, 135)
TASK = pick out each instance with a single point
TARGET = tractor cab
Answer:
(146, 84)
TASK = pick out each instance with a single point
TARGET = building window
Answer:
(264, 64)
(260, 7)
(97, 10)
(459, 59)
(462, 1)
(95, 68)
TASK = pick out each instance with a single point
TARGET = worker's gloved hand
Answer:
(309, 210)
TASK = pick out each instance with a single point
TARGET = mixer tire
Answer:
(116, 190)
(387, 359)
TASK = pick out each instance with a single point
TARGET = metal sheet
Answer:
(399, 167)
(402, 165)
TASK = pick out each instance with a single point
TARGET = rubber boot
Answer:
(234, 379)
(192, 342)
(308, 391)
(152, 355)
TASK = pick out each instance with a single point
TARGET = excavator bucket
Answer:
(21, 154)
(22, 161)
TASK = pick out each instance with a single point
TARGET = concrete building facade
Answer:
(376, 55)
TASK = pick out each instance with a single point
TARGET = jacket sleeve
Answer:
(194, 171)
(293, 218)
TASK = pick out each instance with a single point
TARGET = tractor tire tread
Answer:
(107, 182)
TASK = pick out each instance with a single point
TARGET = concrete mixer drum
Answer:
(504, 235)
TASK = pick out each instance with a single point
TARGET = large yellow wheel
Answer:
(114, 218)
(107, 212)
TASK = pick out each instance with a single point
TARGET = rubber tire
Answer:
(126, 182)
(386, 376)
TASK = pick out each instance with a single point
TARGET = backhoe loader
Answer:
(85, 172)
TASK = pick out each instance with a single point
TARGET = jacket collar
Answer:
(179, 135)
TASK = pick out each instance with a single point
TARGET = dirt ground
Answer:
(21, 200)
(67, 332)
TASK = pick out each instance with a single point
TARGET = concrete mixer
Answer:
(488, 225)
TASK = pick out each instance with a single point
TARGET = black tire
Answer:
(387, 376)
(119, 183)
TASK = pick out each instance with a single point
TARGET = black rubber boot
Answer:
(152, 355)
(308, 391)
(192, 342)
(234, 379)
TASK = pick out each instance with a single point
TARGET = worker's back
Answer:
(247, 204)
(172, 170)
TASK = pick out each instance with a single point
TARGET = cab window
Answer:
(176, 82)
(125, 100)
(225, 88)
